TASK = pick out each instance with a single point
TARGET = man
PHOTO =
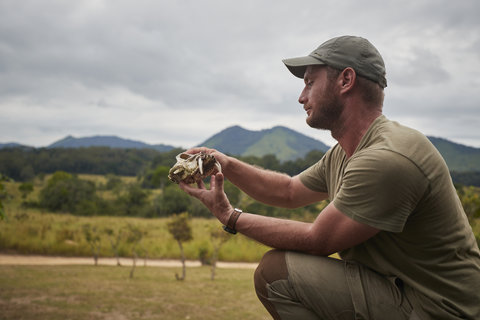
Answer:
(407, 249)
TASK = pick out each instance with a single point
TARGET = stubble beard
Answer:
(328, 114)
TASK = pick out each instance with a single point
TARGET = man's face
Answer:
(320, 99)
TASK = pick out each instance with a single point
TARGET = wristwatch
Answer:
(230, 227)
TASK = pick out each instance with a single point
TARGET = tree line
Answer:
(23, 164)
(66, 192)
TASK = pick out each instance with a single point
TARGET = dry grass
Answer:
(105, 292)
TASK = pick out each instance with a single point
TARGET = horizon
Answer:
(198, 144)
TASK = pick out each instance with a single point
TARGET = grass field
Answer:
(30, 232)
(33, 231)
(107, 292)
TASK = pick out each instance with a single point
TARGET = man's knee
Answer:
(272, 267)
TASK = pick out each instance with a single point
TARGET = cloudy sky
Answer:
(178, 71)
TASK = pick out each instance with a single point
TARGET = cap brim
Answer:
(297, 66)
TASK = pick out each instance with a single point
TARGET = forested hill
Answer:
(459, 158)
(106, 141)
(284, 143)
(110, 154)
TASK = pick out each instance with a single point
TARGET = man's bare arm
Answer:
(331, 231)
(270, 187)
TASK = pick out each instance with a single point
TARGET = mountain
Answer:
(12, 145)
(288, 144)
(106, 141)
(459, 158)
(284, 143)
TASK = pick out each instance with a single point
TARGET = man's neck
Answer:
(352, 130)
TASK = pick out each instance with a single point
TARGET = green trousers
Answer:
(293, 285)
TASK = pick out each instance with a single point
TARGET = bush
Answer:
(67, 193)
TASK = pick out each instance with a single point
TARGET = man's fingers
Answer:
(188, 189)
(198, 150)
(219, 181)
(200, 184)
(216, 182)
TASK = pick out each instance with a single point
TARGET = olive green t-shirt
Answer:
(396, 181)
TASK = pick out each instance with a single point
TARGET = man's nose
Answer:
(302, 99)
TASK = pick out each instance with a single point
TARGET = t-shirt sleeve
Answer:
(381, 188)
(314, 177)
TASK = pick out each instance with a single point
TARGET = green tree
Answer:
(173, 201)
(135, 200)
(179, 227)
(134, 236)
(197, 209)
(113, 183)
(115, 238)
(470, 198)
(67, 193)
(3, 194)
(218, 237)
(93, 239)
(25, 188)
(233, 193)
(157, 178)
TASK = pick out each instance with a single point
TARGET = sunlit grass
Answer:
(33, 231)
(106, 292)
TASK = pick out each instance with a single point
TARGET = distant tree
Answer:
(173, 201)
(134, 200)
(3, 194)
(25, 188)
(93, 239)
(166, 159)
(179, 227)
(134, 236)
(218, 237)
(232, 192)
(270, 161)
(156, 178)
(113, 183)
(115, 237)
(470, 198)
(197, 209)
(68, 193)
(27, 173)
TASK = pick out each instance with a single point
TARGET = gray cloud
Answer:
(178, 71)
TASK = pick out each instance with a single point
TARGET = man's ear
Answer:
(347, 79)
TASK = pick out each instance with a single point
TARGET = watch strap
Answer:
(232, 221)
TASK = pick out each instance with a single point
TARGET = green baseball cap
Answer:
(340, 53)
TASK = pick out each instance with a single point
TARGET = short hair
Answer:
(371, 91)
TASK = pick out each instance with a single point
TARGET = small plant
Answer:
(93, 239)
(3, 194)
(218, 237)
(25, 188)
(179, 227)
(115, 236)
(134, 237)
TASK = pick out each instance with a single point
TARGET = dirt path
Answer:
(6, 259)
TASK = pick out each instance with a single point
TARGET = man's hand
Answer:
(220, 157)
(214, 199)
